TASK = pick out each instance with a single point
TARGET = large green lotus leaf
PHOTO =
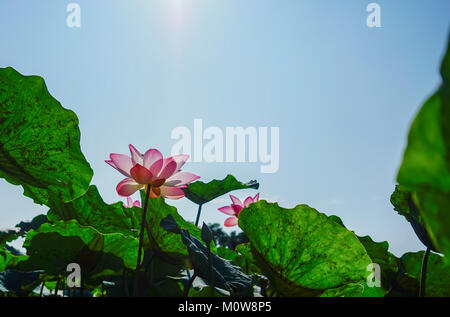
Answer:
(394, 280)
(378, 252)
(201, 193)
(53, 246)
(39, 141)
(354, 290)
(425, 169)
(438, 272)
(91, 210)
(302, 252)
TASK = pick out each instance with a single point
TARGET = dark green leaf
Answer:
(207, 236)
(34, 224)
(7, 236)
(201, 193)
(206, 292)
(19, 283)
(226, 275)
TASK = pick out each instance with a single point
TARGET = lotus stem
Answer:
(423, 272)
(81, 285)
(198, 214)
(57, 287)
(42, 289)
(141, 238)
(191, 280)
(211, 275)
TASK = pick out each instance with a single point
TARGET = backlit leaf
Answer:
(39, 141)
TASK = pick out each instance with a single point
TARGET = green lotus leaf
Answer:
(53, 246)
(378, 252)
(438, 272)
(303, 252)
(394, 280)
(39, 141)
(201, 193)
(425, 169)
(91, 210)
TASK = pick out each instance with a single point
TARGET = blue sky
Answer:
(342, 94)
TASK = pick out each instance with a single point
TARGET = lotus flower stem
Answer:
(198, 214)
(423, 272)
(42, 289)
(57, 286)
(151, 239)
(125, 282)
(141, 237)
(188, 286)
(211, 275)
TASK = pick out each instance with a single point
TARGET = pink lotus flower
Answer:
(235, 208)
(163, 175)
(131, 204)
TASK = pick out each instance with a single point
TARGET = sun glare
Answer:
(177, 12)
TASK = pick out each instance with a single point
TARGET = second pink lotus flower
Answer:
(131, 204)
(235, 208)
(164, 175)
